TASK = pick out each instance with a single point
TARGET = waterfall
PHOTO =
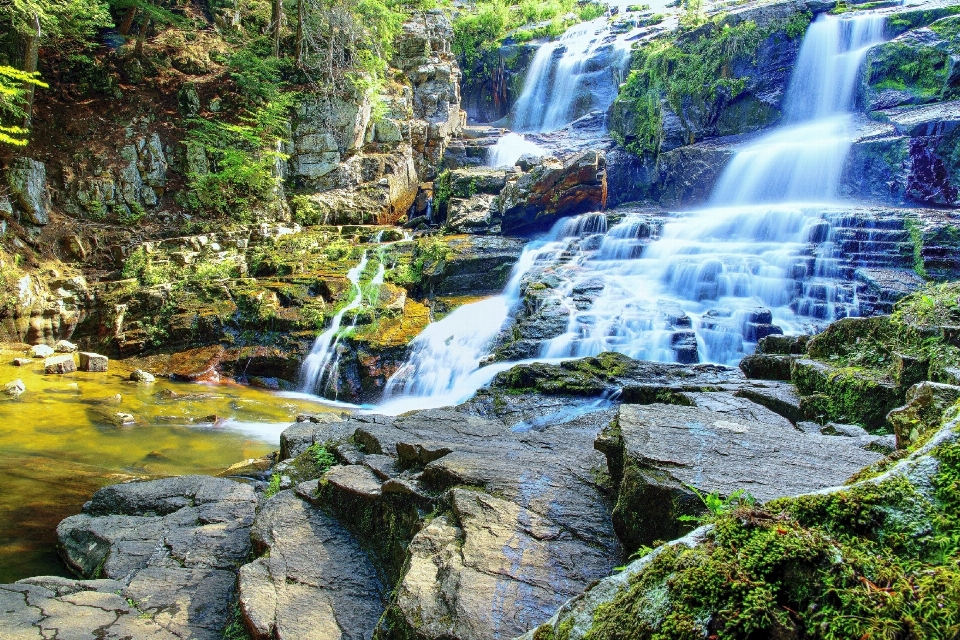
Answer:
(314, 368)
(705, 285)
(509, 148)
(568, 71)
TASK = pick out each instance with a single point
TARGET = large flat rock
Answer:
(313, 579)
(657, 452)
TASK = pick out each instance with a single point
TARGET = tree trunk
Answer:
(128, 21)
(31, 61)
(276, 20)
(299, 44)
(138, 49)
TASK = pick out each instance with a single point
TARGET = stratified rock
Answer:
(779, 397)
(313, 579)
(323, 428)
(196, 364)
(93, 362)
(554, 189)
(657, 452)
(15, 389)
(767, 366)
(59, 364)
(926, 402)
(27, 179)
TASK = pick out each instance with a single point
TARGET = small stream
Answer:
(60, 442)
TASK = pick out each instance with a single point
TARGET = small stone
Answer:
(20, 362)
(41, 351)
(14, 389)
(59, 364)
(142, 377)
(124, 419)
(64, 346)
(93, 362)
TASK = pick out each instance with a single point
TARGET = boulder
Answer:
(767, 366)
(15, 389)
(554, 189)
(312, 580)
(41, 351)
(779, 397)
(923, 412)
(141, 376)
(27, 179)
(196, 365)
(323, 428)
(93, 362)
(22, 362)
(656, 453)
(59, 364)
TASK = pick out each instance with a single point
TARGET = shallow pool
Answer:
(61, 440)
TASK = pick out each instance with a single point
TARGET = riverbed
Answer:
(62, 439)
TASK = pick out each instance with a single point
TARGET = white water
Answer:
(713, 279)
(509, 148)
(314, 369)
(569, 70)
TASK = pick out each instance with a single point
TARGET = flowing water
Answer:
(316, 368)
(60, 443)
(704, 286)
(509, 148)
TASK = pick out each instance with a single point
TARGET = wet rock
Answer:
(783, 345)
(843, 394)
(926, 403)
(767, 366)
(196, 365)
(637, 381)
(22, 362)
(141, 376)
(477, 213)
(554, 189)
(656, 452)
(59, 364)
(737, 407)
(93, 362)
(41, 351)
(124, 419)
(256, 468)
(313, 580)
(15, 389)
(27, 179)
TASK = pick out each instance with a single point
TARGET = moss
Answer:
(877, 560)
(903, 21)
(921, 70)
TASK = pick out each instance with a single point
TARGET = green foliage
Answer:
(10, 275)
(305, 210)
(717, 506)
(258, 77)
(243, 156)
(132, 214)
(13, 92)
(273, 487)
(139, 264)
(322, 457)
(235, 630)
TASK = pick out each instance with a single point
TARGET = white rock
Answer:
(14, 389)
(64, 346)
(41, 351)
(142, 376)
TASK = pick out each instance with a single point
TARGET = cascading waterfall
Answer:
(509, 148)
(715, 280)
(566, 71)
(315, 369)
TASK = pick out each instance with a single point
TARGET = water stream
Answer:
(709, 283)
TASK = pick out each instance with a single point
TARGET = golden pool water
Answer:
(61, 440)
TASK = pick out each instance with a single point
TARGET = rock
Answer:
(313, 581)
(656, 452)
(554, 189)
(737, 407)
(475, 214)
(323, 428)
(41, 351)
(22, 362)
(637, 381)
(196, 365)
(926, 403)
(767, 366)
(92, 362)
(27, 179)
(124, 419)
(64, 346)
(174, 542)
(781, 398)
(783, 345)
(843, 394)
(59, 364)
(256, 468)
(15, 389)
(141, 376)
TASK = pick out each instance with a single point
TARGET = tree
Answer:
(12, 98)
